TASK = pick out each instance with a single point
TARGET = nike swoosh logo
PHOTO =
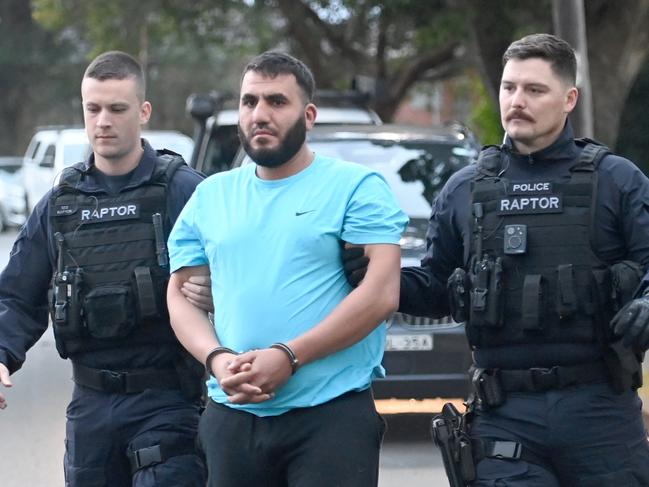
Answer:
(300, 213)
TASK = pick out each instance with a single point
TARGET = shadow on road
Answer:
(408, 427)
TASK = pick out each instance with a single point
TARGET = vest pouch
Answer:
(533, 302)
(147, 306)
(567, 302)
(109, 311)
(486, 295)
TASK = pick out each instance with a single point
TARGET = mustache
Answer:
(518, 114)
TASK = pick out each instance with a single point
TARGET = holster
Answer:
(624, 367)
(449, 433)
(623, 363)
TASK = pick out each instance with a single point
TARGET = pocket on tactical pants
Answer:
(493, 472)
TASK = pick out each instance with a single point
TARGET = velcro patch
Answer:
(127, 211)
(537, 187)
(64, 210)
(532, 204)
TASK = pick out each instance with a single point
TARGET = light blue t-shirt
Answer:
(274, 252)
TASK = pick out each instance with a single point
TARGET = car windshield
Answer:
(73, 153)
(415, 170)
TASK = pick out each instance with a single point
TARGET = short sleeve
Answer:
(185, 244)
(372, 215)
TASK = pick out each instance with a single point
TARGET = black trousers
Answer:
(102, 427)
(333, 444)
(587, 435)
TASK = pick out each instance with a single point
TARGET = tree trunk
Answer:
(15, 73)
(618, 42)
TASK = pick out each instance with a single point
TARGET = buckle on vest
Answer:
(113, 381)
(544, 379)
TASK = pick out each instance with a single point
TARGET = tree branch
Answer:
(296, 12)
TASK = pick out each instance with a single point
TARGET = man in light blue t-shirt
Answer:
(293, 349)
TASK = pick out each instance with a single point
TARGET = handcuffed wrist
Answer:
(213, 353)
(292, 358)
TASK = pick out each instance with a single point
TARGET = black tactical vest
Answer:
(109, 286)
(534, 277)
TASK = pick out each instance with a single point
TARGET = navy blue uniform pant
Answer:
(335, 444)
(586, 436)
(102, 427)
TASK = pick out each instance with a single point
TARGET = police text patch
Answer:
(544, 187)
(125, 211)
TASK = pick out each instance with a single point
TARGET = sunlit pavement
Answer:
(414, 406)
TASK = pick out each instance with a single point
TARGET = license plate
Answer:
(404, 343)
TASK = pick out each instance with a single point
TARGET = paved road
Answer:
(32, 427)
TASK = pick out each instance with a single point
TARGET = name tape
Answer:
(528, 205)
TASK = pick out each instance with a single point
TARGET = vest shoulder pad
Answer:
(489, 160)
(167, 163)
(591, 155)
(71, 175)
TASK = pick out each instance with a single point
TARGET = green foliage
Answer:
(484, 118)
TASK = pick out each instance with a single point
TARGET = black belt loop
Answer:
(125, 382)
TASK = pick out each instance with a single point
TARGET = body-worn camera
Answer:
(515, 239)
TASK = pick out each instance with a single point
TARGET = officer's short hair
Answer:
(273, 63)
(556, 51)
(117, 65)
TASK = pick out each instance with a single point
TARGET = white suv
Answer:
(52, 149)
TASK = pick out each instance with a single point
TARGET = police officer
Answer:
(540, 243)
(96, 245)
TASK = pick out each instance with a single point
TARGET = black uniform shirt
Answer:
(621, 224)
(24, 283)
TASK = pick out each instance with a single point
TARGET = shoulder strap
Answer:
(489, 161)
(591, 155)
(167, 163)
(71, 175)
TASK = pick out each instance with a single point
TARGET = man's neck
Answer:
(118, 167)
(297, 163)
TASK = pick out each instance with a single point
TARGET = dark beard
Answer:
(289, 146)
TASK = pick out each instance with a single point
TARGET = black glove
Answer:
(631, 323)
(355, 264)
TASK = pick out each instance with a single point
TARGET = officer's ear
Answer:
(145, 112)
(572, 94)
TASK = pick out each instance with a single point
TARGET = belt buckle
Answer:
(114, 381)
(544, 379)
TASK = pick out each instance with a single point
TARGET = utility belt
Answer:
(491, 385)
(125, 382)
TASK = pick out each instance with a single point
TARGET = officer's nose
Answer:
(518, 99)
(103, 119)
